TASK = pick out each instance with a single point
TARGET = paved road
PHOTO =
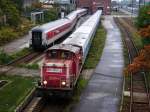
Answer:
(16, 45)
(103, 93)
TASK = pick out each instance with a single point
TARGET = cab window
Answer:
(65, 55)
(52, 54)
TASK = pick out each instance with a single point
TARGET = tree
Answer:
(10, 11)
(19, 4)
(143, 19)
(50, 15)
(142, 61)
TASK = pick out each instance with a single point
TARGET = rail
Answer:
(139, 90)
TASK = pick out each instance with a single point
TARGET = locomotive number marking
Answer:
(54, 70)
(53, 78)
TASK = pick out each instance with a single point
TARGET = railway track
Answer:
(21, 60)
(39, 104)
(25, 59)
(129, 21)
(139, 90)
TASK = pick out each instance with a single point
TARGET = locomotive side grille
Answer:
(36, 38)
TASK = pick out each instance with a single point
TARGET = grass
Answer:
(6, 58)
(34, 66)
(21, 53)
(96, 48)
(137, 40)
(79, 88)
(13, 93)
(77, 92)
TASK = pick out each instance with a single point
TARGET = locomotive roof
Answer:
(67, 47)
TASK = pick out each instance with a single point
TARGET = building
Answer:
(28, 3)
(93, 5)
(67, 5)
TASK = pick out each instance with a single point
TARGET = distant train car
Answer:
(63, 62)
(42, 36)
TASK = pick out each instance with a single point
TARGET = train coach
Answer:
(63, 63)
(44, 35)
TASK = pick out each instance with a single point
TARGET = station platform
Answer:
(104, 90)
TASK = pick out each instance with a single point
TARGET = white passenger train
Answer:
(42, 36)
(83, 36)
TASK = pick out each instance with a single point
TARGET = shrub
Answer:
(6, 35)
(30, 66)
(143, 18)
(50, 15)
(21, 53)
(4, 58)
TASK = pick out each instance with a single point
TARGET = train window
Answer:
(65, 55)
(52, 54)
(36, 34)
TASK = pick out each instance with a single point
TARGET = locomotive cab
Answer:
(61, 68)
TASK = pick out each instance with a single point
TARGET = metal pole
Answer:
(139, 3)
(132, 6)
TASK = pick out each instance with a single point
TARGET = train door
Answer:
(36, 39)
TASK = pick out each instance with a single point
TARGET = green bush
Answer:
(9, 9)
(146, 41)
(143, 18)
(30, 66)
(50, 15)
(6, 35)
(20, 53)
(4, 58)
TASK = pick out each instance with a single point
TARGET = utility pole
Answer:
(139, 4)
(132, 6)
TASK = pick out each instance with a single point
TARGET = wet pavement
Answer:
(104, 90)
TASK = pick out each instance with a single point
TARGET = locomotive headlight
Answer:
(45, 82)
(63, 83)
